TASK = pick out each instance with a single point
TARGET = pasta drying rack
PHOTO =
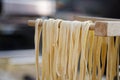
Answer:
(102, 26)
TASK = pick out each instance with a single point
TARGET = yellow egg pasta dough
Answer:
(70, 51)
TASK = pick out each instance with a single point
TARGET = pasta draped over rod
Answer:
(70, 51)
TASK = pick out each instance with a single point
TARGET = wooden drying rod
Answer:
(101, 28)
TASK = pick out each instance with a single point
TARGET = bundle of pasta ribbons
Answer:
(70, 51)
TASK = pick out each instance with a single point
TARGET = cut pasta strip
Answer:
(37, 41)
(76, 51)
(103, 54)
(56, 35)
(90, 54)
(83, 62)
(43, 50)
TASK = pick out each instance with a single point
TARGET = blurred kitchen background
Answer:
(17, 38)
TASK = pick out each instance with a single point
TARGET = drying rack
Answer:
(101, 26)
(105, 27)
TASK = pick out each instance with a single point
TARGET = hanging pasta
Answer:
(37, 40)
(70, 51)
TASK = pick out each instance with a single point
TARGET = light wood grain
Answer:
(102, 28)
(94, 19)
(107, 28)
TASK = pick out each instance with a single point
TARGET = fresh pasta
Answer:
(70, 51)
(37, 41)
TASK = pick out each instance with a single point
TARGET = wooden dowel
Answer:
(32, 24)
(101, 28)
